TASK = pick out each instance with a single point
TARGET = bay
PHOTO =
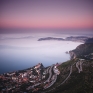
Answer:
(22, 51)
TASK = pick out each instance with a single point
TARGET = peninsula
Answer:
(50, 38)
(71, 38)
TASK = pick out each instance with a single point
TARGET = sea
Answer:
(23, 50)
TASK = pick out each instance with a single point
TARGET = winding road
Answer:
(78, 65)
(55, 77)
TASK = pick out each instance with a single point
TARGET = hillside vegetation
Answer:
(83, 49)
(76, 82)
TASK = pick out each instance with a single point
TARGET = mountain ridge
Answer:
(83, 39)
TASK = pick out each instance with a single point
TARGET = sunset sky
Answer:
(38, 14)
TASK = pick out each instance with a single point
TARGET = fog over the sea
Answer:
(23, 22)
(20, 51)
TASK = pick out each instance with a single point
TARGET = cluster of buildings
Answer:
(28, 81)
(16, 81)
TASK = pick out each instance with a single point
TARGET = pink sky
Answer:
(46, 14)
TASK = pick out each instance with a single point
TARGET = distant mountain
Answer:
(50, 38)
(71, 38)
(77, 38)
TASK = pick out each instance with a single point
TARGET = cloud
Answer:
(13, 47)
(9, 38)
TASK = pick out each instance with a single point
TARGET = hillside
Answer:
(76, 75)
(77, 82)
(82, 51)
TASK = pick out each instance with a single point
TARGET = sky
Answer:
(46, 14)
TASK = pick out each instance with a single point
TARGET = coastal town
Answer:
(40, 79)
(30, 80)
(35, 79)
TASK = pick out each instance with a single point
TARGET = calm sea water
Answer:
(21, 51)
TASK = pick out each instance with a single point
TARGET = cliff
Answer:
(82, 50)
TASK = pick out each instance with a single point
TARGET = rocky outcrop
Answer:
(72, 55)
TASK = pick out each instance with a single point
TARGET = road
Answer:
(67, 76)
(79, 66)
(50, 74)
(55, 77)
(49, 70)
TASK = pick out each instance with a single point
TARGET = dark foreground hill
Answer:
(77, 82)
(76, 75)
